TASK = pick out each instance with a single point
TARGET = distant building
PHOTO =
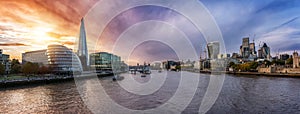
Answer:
(4, 60)
(223, 56)
(103, 61)
(213, 50)
(171, 65)
(296, 60)
(264, 52)
(39, 56)
(157, 65)
(247, 49)
(235, 55)
(62, 60)
(187, 63)
(285, 56)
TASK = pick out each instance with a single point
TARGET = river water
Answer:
(239, 94)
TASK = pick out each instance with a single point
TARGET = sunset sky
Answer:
(27, 25)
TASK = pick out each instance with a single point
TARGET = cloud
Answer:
(68, 43)
(238, 19)
(13, 44)
(56, 35)
(39, 22)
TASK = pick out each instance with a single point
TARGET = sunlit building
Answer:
(39, 56)
(82, 51)
(62, 60)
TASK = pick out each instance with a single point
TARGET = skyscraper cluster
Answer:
(247, 49)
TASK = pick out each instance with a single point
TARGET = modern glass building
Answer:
(264, 52)
(82, 51)
(213, 50)
(103, 61)
(62, 60)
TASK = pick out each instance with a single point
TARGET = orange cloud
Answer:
(13, 44)
(22, 20)
(68, 43)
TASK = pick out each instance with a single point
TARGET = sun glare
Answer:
(40, 34)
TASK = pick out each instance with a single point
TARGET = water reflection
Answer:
(240, 94)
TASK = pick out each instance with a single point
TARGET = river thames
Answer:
(239, 94)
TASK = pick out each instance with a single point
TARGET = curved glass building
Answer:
(62, 60)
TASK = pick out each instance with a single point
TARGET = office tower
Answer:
(82, 51)
(264, 52)
(245, 48)
(213, 50)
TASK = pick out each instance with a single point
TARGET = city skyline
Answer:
(33, 25)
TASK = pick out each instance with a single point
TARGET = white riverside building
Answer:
(59, 58)
(39, 56)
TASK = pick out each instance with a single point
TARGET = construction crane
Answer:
(277, 54)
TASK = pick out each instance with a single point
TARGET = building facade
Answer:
(213, 50)
(5, 61)
(39, 56)
(103, 61)
(296, 60)
(171, 65)
(82, 51)
(264, 52)
(62, 60)
(247, 49)
(285, 56)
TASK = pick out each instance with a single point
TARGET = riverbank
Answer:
(40, 80)
(266, 74)
(294, 75)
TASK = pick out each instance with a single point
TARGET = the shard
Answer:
(82, 47)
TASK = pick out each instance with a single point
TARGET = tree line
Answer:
(252, 66)
(27, 69)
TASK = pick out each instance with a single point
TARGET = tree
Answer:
(253, 65)
(15, 66)
(2, 69)
(289, 61)
(278, 62)
(30, 68)
(249, 66)
(231, 64)
(44, 70)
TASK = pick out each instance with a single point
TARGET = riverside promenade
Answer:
(23, 80)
